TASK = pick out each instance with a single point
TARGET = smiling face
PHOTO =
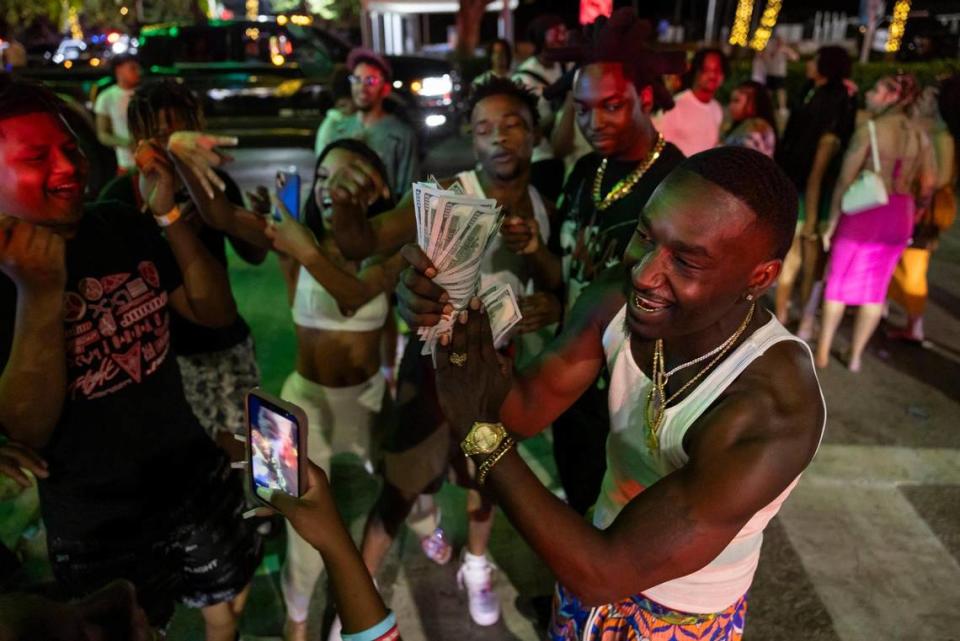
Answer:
(42, 171)
(689, 263)
(335, 160)
(610, 113)
(503, 136)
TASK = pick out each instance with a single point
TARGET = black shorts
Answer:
(776, 82)
(199, 554)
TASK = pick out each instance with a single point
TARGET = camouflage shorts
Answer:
(215, 385)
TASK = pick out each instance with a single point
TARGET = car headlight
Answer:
(432, 86)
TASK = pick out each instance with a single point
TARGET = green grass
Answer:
(261, 297)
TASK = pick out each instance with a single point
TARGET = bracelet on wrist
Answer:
(386, 630)
(493, 459)
(168, 218)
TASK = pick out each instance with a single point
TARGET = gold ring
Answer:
(457, 359)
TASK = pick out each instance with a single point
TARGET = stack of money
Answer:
(455, 231)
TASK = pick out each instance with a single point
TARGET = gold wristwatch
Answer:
(483, 438)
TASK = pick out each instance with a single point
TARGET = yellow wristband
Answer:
(168, 218)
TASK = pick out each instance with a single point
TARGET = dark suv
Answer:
(271, 77)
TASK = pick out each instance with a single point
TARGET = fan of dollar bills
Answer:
(455, 231)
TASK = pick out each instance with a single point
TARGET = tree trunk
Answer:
(468, 25)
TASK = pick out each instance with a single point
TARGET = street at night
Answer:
(361, 320)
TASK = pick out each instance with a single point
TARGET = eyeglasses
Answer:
(366, 81)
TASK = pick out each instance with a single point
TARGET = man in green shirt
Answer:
(393, 139)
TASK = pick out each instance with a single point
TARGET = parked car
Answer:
(267, 78)
(275, 72)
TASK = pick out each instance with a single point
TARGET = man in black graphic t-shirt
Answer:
(135, 488)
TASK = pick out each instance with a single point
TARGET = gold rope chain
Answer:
(660, 378)
(627, 183)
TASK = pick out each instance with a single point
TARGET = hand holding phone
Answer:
(276, 445)
(288, 192)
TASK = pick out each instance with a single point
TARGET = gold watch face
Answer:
(486, 438)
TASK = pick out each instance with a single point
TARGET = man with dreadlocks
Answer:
(503, 116)
(134, 489)
(217, 365)
(614, 92)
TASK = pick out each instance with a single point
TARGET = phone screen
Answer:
(288, 191)
(274, 443)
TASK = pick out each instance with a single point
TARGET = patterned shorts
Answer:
(216, 384)
(199, 554)
(640, 619)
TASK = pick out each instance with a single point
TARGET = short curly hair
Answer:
(758, 182)
(496, 86)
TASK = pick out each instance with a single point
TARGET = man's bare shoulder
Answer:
(601, 300)
(782, 385)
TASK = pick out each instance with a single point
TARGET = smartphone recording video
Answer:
(277, 446)
(288, 192)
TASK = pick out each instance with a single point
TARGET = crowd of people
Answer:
(642, 230)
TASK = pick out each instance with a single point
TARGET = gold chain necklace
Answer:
(627, 183)
(657, 400)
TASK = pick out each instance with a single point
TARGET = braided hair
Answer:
(504, 87)
(758, 182)
(162, 96)
(622, 38)
(908, 89)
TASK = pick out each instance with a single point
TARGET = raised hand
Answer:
(198, 151)
(289, 236)
(157, 177)
(32, 256)
(472, 378)
(15, 458)
(356, 186)
(314, 515)
(259, 200)
(421, 302)
(521, 235)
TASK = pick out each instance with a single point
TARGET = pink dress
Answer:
(865, 251)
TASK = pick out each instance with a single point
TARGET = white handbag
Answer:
(868, 190)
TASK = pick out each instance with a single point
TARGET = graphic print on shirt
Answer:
(588, 248)
(117, 331)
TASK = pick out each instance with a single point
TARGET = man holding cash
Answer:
(456, 222)
(715, 409)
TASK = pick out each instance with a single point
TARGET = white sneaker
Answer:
(476, 575)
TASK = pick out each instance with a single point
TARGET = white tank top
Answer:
(631, 467)
(500, 265)
(314, 307)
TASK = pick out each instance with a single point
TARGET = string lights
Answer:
(768, 20)
(901, 11)
(73, 19)
(741, 23)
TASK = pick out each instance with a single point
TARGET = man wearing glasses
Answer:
(392, 138)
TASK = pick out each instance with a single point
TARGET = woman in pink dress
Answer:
(864, 247)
